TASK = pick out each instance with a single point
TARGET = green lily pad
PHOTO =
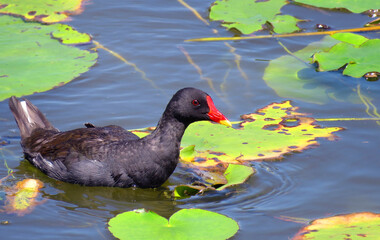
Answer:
(285, 24)
(32, 60)
(351, 38)
(234, 174)
(356, 6)
(356, 60)
(363, 225)
(68, 35)
(249, 16)
(48, 11)
(184, 224)
(188, 153)
(291, 76)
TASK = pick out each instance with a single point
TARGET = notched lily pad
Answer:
(363, 225)
(248, 16)
(33, 60)
(356, 59)
(184, 224)
(47, 11)
(236, 174)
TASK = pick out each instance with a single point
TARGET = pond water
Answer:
(334, 178)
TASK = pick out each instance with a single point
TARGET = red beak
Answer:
(215, 115)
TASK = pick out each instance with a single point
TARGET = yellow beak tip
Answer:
(226, 123)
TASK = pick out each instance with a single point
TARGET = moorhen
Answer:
(112, 156)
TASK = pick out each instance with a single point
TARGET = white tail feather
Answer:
(25, 108)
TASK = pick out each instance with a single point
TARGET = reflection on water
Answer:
(96, 198)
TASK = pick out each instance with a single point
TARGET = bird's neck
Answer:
(169, 130)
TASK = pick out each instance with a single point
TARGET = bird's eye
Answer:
(195, 102)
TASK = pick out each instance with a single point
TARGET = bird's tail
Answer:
(28, 117)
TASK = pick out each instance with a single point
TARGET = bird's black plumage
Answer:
(112, 156)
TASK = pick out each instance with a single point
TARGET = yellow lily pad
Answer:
(267, 134)
(363, 225)
(47, 11)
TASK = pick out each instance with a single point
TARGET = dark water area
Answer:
(333, 178)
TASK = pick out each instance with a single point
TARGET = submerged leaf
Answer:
(184, 224)
(292, 76)
(249, 16)
(183, 191)
(32, 61)
(47, 11)
(22, 198)
(234, 174)
(351, 226)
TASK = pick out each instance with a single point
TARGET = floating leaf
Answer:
(188, 153)
(358, 60)
(356, 6)
(234, 174)
(48, 11)
(32, 61)
(22, 198)
(143, 131)
(351, 226)
(293, 76)
(184, 224)
(351, 38)
(285, 24)
(262, 135)
(249, 16)
(67, 35)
